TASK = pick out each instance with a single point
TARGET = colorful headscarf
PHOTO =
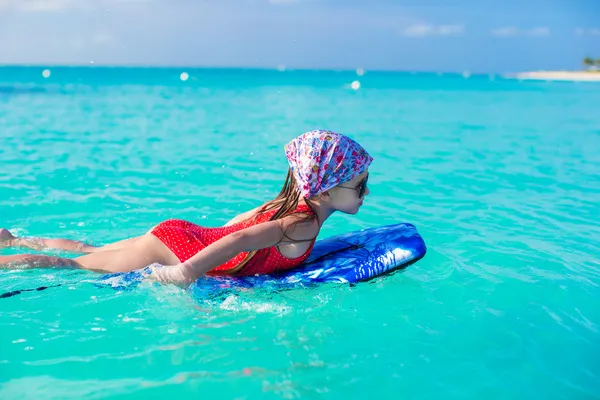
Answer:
(321, 160)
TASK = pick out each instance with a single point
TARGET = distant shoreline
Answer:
(572, 76)
(579, 76)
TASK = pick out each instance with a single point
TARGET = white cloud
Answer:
(423, 30)
(509, 31)
(102, 38)
(541, 31)
(37, 5)
(34, 6)
(590, 31)
(505, 31)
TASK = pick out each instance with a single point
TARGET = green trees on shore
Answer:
(589, 62)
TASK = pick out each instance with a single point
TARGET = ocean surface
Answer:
(500, 176)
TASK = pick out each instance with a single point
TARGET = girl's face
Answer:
(348, 196)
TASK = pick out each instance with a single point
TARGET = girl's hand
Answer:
(178, 274)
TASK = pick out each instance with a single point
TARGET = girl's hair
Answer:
(285, 203)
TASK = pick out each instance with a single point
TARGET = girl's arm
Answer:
(252, 238)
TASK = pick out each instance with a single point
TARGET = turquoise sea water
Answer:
(501, 177)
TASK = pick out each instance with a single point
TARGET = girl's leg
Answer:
(147, 250)
(117, 245)
(35, 261)
(9, 240)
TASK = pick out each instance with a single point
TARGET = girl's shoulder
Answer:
(298, 227)
(296, 220)
(244, 216)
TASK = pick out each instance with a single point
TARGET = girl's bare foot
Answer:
(6, 238)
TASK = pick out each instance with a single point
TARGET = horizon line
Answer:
(280, 68)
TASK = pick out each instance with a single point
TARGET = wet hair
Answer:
(286, 202)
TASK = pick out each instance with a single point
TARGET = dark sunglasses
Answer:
(362, 187)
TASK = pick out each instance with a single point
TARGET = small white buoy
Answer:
(281, 68)
(360, 71)
(355, 85)
(184, 76)
(46, 73)
(466, 74)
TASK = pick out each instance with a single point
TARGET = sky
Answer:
(407, 35)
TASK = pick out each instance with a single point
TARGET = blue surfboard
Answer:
(348, 258)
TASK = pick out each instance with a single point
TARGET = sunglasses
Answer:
(362, 187)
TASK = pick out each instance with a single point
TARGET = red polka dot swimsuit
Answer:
(185, 239)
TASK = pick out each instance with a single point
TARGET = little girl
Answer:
(328, 173)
